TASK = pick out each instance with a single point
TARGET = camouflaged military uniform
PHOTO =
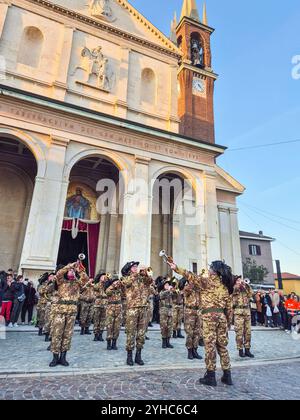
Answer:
(49, 295)
(42, 304)
(166, 313)
(242, 315)
(150, 304)
(100, 306)
(137, 289)
(65, 310)
(216, 304)
(114, 310)
(87, 298)
(178, 299)
(192, 315)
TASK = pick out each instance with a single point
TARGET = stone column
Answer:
(4, 5)
(136, 229)
(211, 216)
(236, 243)
(112, 243)
(225, 235)
(46, 214)
(60, 83)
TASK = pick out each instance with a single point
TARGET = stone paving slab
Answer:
(265, 382)
(25, 353)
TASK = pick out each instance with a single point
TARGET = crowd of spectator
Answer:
(17, 298)
(273, 309)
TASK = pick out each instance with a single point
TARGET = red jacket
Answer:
(292, 306)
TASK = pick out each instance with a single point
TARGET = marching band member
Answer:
(87, 298)
(241, 297)
(69, 282)
(166, 312)
(100, 306)
(216, 303)
(113, 290)
(137, 284)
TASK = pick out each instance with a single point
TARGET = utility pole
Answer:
(279, 275)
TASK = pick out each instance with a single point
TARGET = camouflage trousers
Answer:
(86, 314)
(124, 311)
(47, 323)
(192, 324)
(177, 317)
(41, 310)
(242, 326)
(149, 313)
(52, 316)
(215, 335)
(62, 329)
(99, 318)
(166, 322)
(136, 326)
(113, 321)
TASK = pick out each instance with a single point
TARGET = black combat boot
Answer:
(62, 360)
(129, 358)
(164, 343)
(87, 331)
(96, 338)
(138, 358)
(226, 378)
(179, 335)
(109, 346)
(201, 342)
(249, 354)
(114, 345)
(174, 334)
(150, 325)
(55, 360)
(209, 379)
(190, 354)
(169, 345)
(49, 347)
(40, 331)
(82, 331)
(100, 338)
(241, 353)
(196, 355)
(146, 337)
(47, 337)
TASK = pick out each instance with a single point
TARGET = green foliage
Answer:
(256, 273)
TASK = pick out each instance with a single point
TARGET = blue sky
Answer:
(256, 102)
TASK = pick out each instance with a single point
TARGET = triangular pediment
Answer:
(122, 15)
(227, 183)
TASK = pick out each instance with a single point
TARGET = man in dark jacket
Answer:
(7, 299)
(18, 289)
(29, 302)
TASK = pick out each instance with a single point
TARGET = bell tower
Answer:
(195, 77)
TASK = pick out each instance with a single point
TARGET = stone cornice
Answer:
(194, 23)
(198, 71)
(170, 49)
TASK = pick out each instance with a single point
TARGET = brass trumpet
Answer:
(81, 257)
(165, 257)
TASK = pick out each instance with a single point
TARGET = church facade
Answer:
(107, 142)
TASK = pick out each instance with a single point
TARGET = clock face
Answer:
(198, 86)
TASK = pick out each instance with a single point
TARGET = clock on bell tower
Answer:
(196, 77)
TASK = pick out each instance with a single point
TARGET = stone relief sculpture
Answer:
(101, 9)
(95, 64)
